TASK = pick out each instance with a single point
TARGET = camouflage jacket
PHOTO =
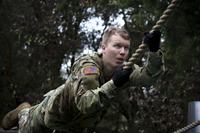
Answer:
(79, 104)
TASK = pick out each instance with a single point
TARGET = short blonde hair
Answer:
(113, 30)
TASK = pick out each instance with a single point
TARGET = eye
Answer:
(118, 46)
(126, 48)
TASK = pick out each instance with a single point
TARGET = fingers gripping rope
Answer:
(142, 47)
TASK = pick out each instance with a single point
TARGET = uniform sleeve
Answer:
(89, 97)
(149, 73)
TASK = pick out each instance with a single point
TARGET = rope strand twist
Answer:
(190, 126)
(142, 47)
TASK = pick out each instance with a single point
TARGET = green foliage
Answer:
(37, 36)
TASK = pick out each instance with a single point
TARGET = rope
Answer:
(140, 51)
(190, 126)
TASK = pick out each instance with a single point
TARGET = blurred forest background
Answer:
(38, 36)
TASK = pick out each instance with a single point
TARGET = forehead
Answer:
(116, 38)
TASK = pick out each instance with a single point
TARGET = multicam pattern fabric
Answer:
(79, 104)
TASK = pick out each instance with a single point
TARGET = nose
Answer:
(122, 51)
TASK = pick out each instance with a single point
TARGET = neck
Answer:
(108, 71)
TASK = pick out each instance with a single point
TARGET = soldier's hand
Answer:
(121, 76)
(152, 40)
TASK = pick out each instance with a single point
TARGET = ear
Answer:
(103, 46)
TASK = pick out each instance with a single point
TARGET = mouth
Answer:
(119, 61)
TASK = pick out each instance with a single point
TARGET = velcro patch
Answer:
(90, 70)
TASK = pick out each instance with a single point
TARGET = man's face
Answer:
(115, 52)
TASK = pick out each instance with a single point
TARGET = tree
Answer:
(37, 37)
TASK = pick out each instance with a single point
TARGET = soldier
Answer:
(95, 80)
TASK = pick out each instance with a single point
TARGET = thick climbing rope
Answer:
(142, 47)
(190, 126)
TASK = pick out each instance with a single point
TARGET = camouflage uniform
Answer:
(79, 104)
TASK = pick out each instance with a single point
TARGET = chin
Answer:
(118, 65)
